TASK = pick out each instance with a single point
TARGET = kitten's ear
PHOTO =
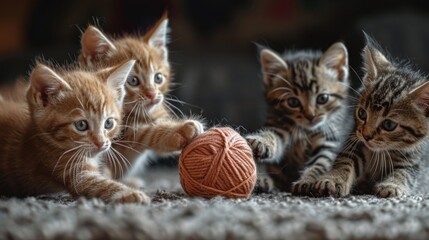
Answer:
(420, 95)
(336, 58)
(95, 45)
(374, 60)
(157, 37)
(271, 63)
(116, 80)
(47, 84)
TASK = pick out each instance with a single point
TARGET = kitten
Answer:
(148, 124)
(385, 150)
(306, 95)
(54, 142)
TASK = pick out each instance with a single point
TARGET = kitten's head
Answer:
(150, 77)
(393, 107)
(306, 87)
(77, 109)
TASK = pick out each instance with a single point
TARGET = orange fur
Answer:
(41, 148)
(148, 123)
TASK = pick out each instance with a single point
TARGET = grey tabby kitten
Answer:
(306, 94)
(385, 150)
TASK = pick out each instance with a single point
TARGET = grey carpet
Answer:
(173, 215)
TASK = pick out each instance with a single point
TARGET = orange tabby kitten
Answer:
(148, 124)
(55, 141)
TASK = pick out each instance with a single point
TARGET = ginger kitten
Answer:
(56, 140)
(147, 119)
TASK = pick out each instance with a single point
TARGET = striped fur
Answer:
(299, 143)
(384, 152)
(43, 151)
(148, 119)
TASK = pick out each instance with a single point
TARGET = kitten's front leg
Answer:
(268, 145)
(170, 136)
(91, 184)
(319, 166)
(321, 157)
(338, 182)
(399, 183)
(183, 134)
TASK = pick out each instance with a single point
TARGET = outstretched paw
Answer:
(385, 190)
(130, 196)
(261, 150)
(185, 133)
(330, 186)
(303, 187)
(134, 182)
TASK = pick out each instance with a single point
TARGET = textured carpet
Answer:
(173, 215)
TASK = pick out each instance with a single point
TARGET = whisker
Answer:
(178, 109)
(123, 158)
(62, 155)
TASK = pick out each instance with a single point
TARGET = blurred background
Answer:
(213, 43)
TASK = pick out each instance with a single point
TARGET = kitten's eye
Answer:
(81, 125)
(293, 102)
(322, 98)
(361, 114)
(133, 81)
(108, 124)
(158, 78)
(389, 125)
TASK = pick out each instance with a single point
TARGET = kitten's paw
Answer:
(130, 196)
(330, 186)
(134, 182)
(263, 185)
(191, 129)
(385, 190)
(261, 150)
(185, 133)
(303, 187)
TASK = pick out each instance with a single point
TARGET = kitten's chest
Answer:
(378, 165)
(299, 148)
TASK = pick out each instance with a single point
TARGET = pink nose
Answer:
(150, 95)
(98, 144)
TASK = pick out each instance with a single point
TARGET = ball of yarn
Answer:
(218, 162)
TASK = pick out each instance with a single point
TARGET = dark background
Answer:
(212, 47)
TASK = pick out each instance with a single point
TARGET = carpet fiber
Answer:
(173, 215)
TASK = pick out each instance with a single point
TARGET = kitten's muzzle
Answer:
(97, 149)
(100, 145)
(309, 117)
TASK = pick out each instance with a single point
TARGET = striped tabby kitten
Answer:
(54, 143)
(385, 151)
(306, 96)
(148, 122)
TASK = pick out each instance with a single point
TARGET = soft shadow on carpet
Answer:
(173, 215)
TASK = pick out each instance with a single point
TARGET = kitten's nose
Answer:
(99, 144)
(367, 137)
(367, 134)
(310, 118)
(150, 95)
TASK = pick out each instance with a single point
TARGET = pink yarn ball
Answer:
(218, 162)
